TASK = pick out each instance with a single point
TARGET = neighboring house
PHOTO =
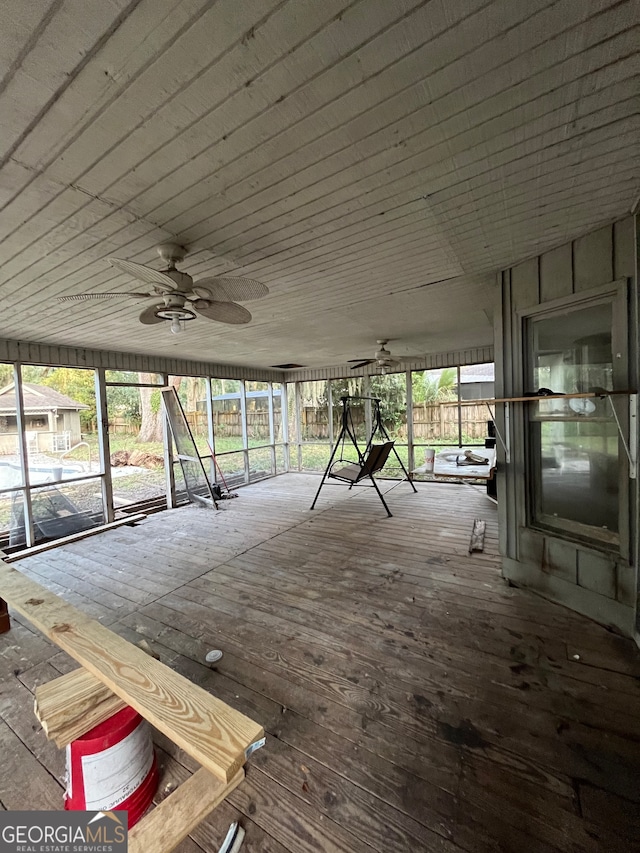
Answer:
(477, 381)
(52, 420)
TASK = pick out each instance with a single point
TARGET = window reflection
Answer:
(574, 442)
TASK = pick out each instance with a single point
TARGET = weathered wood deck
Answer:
(413, 701)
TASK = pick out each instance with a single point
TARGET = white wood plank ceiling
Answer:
(348, 154)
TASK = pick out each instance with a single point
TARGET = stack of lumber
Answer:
(115, 673)
(70, 706)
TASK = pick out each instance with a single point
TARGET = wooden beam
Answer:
(70, 706)
(534, 398)
(168, 824)
(73, 537)
(209, 730)
(477, 535)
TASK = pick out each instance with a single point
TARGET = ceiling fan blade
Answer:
(230, 289)
(80, 297)
(361, 363)
(223, 312)
(142, 273)
(148, 317)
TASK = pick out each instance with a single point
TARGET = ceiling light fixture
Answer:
(177, 315)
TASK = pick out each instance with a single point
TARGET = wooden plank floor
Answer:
(414, 701)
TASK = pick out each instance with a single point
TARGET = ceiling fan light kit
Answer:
(213, 298)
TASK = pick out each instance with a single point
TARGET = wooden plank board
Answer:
(209, 833)
(477, 535)
(212, 732)
(535, 399)
(71, 705)
(170, 822)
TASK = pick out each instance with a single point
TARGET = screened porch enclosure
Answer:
(420, 408)
(119, 457)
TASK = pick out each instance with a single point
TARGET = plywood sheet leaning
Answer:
(209, 730)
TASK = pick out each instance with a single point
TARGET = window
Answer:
(573, 444)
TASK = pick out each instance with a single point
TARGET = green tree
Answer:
(391, 389)
(430, 386)
(151, 409)
(6, 375)
(123, 401)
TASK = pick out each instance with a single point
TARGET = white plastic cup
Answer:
(429, 456)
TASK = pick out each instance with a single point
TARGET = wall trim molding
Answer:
(475, 355)
(31, 352)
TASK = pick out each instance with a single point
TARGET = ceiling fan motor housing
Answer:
(182, 280)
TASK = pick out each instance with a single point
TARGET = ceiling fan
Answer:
(183, 298)
(383, 359)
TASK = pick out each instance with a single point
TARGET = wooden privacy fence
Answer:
(441, 421)
(230, 423)
(123, 426)
(430, 422)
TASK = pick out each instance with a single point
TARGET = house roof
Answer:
(477, 373)
(37, 399)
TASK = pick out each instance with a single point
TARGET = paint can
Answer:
(113, 766)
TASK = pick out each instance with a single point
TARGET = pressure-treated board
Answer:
(168, 824)
(71, 705)
(207, 729)
(477, 535)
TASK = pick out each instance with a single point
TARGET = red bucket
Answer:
(113, 767)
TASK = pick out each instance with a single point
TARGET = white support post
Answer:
(24, 457)
(330, 411)
(245, 434)
(272, 440)
(169, 477)
(366, 392)
(298, 401)
(210, 431)
(409, 397)
(458, 379)
(284, 425)
(104, 449)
